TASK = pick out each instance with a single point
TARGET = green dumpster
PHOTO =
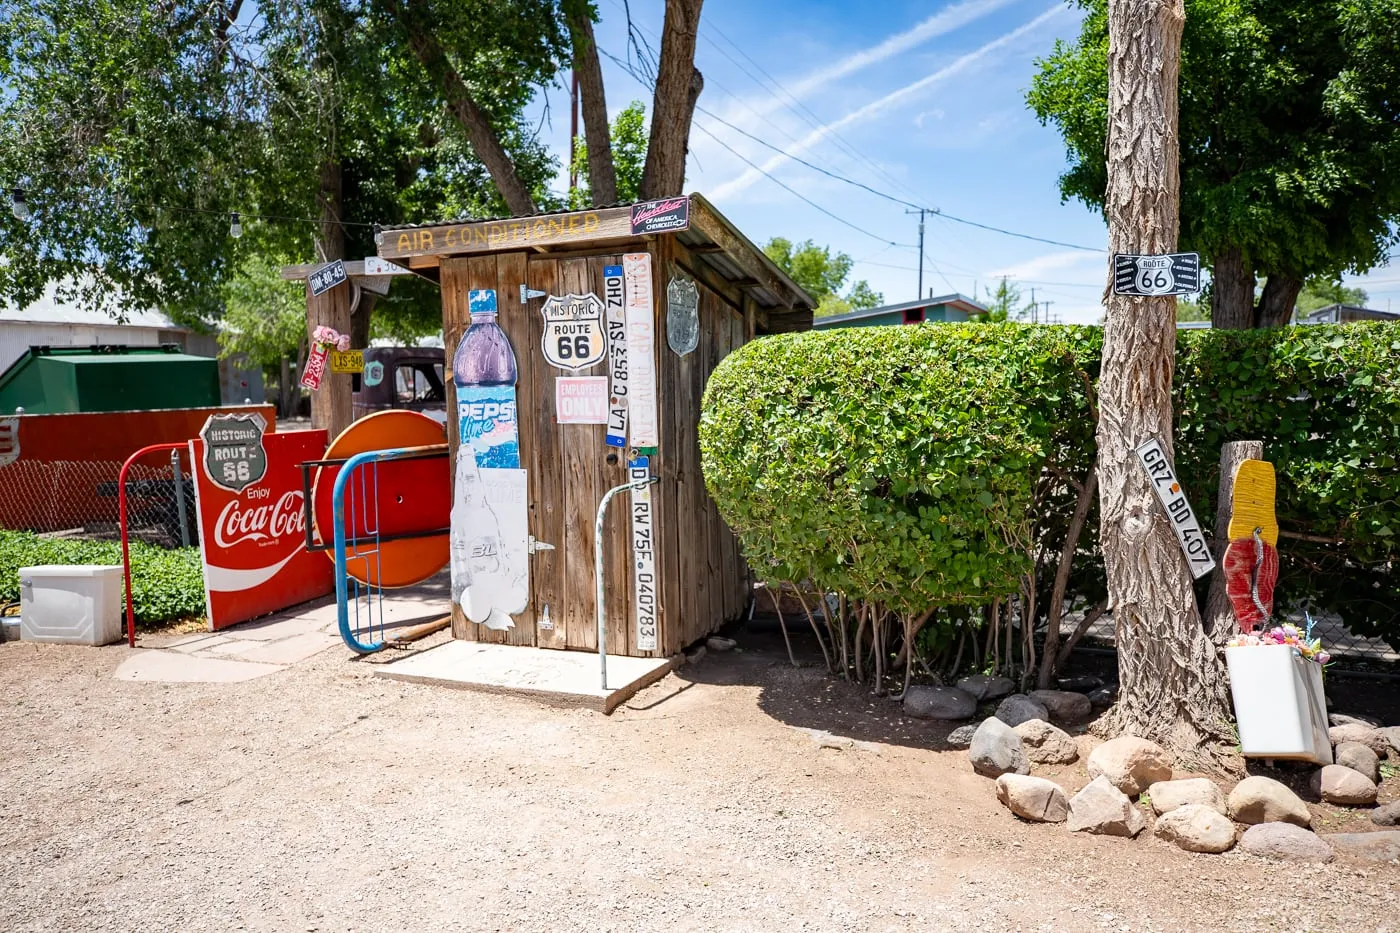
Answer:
(59, 380)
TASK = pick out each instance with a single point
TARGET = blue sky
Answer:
(923, 101)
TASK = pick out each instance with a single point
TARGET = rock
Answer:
(1383, 846)
(1285, 841)
(961, 737)
(1360, 759)
(1342, 719)
(1045, 744)
(996, 749)
(1374, 739)
(1197, 828)
(720, 643)
(984, 687)
(1033, 798)
(1391, 734)
(1130, 763)
(1388, 815)
(924, 702)
(1167, 796)
(1104, 810)
(1341, 785)
(1258, 799)
(1064, 705)
(1019, 708)
(1081, 683)
(1103, 698)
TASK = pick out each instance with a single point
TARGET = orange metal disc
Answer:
(410, 495)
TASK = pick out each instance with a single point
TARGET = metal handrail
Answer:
(121, 524)
(598, 568)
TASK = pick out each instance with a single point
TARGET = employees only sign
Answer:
(581, 399)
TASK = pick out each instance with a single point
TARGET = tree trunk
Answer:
(1277, 302)
(1232, 292)
(602, 176)
(412, 18)
(678, 86)
(1172, 685)
(1050, 663)
(1220, 618)
(330, 232)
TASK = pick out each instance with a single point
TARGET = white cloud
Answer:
(1051, 262)
(875, 107)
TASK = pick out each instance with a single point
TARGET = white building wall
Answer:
(18, 336)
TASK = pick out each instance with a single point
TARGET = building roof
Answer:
(715, 245)
(1333, 314)
(955, 300)
(51, 309)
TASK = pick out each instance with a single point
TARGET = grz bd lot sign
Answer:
(1156, 276)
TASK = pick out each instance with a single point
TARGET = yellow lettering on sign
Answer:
(556, 227)
(539, 230)
(426, 240)
(515, 231)
(498, 233)
(590, 223)
(405, 243)
(450, 237)
(479, 235)
(573, 224)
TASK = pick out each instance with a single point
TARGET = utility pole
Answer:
(921, 212)
(1035, 307)
(1047, 312)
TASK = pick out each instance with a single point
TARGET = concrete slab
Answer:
(172, 667)
(231, 648)
(291, 650)
(561, 678)
(190, 644)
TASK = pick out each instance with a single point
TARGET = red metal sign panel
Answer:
(253, 542)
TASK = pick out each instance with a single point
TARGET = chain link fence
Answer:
(79, 499)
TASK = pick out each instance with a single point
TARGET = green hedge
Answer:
(166, 584)
(890, 463)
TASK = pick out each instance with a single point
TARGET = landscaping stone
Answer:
(1374, 739)
(1046, 744)
(1131, 764)
(1342, 719)
(1285, 841)
(986, 687)
(1167, 796)
(1388, 815)
(1104, 810)
(1064, 705)
(1197, 828)
(1033, 798)
(1381, 846)
(720, 643)
(1340, 785)
(1103, 698)
(1019, 708)
(1258, 799)
(1392, 738)
(1080, 683)
(1360, 759)
(923, 702)
(996, 749)
(961, 737)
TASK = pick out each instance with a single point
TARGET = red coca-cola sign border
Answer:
(253, 542)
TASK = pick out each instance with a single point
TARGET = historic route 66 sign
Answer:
(573, 337)
(234, 458)
(1155, 276)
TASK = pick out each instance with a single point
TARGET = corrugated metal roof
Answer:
(956, 300)
(50, 309)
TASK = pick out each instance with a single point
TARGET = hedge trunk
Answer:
(1171, 683)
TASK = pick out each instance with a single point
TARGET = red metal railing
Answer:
(121, 512)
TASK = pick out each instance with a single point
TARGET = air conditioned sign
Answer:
(252, 539)
(573, 331)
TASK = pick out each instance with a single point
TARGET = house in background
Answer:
(1346, 314)
(945, 309)
(50, 322)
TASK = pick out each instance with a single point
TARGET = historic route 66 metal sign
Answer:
(1155, 276)
(682, 315)
(234, 457)
(573, 336)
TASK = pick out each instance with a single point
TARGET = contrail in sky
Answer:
(749, 176)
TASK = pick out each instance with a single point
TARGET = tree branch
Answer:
(678, 86)
(602, 175)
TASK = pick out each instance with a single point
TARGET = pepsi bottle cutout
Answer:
(484, 370)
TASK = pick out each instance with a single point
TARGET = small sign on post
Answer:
(327, 277)
(348, 361)
(234, 456)
(1156, 276)
(1183, 521)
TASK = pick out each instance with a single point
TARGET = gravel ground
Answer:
(321, 798)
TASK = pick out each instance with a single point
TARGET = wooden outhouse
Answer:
(738, 294)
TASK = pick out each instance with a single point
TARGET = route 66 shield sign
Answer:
(234, 457)
(573, 337)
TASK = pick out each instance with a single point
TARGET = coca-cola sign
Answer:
(669, 215)
(253, 539)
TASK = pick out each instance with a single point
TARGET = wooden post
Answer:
(1219, 618)
(331, 404)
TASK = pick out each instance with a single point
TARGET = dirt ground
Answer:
(321, 798)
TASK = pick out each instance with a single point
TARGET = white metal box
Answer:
(1279, 703)
(71, 604)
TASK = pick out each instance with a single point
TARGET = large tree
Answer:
(822, 274)
(1290, 138)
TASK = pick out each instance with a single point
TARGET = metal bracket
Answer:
(535, 546)
(526, 293)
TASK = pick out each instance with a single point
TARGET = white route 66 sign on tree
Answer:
(573, 336)
(1156, 276)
